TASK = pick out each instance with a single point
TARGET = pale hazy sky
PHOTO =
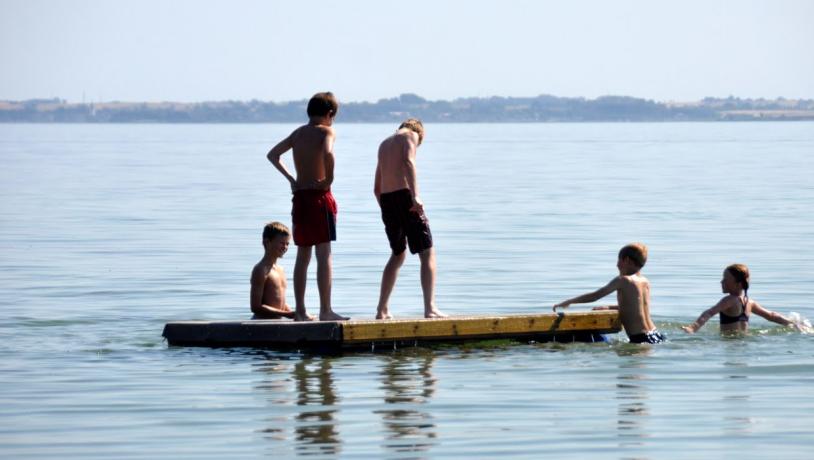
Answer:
(154, 50)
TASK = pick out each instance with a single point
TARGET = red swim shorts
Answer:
(313, 213)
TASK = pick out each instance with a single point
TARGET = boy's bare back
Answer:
(311, 147)
(394, 158)
(633, 297)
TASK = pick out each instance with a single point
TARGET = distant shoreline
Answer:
(540, 109)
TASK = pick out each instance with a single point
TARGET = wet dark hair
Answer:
(322, 104)
(637, 252)
(273, 229)
(741, 274)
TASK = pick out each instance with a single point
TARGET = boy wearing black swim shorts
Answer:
(632, 294)
(405, 223)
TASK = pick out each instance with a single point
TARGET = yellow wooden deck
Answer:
(464, 327)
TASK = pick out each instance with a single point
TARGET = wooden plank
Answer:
(479, 327)
(251, 333)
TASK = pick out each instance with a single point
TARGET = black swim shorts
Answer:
(401, 224)
(653, 336)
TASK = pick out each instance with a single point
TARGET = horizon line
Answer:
(204, 101)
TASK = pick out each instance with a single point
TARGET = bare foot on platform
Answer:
(383, 315)
(333, 317)
(303, 317)
(435, 313)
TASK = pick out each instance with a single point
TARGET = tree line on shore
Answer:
(543, 108)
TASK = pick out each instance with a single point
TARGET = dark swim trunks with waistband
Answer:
(653, 336)
(401, 224)
(313, 213)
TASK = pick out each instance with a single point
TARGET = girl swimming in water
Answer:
(734, 309)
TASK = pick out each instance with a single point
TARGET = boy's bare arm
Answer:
(266, 310)
(770, 315)
(377, 185)
(612, 286)
(411, 175)
(258, 282)
(330, 161)
(274, 157)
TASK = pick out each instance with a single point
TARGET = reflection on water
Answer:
(277, 393)
(315, 387)
(406, 381)
(408, 384)
(315, 429)
(736, 393)
(632, 394)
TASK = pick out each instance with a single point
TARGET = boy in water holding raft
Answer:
(313, 206)
(396, 190)
(735, 307)
(632, 294)
(267, 297)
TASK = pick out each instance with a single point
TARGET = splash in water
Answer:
(801, 323)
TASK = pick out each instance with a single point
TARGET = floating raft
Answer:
(367, 334)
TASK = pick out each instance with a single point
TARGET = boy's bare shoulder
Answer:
(320, 130)
(389, 141)
(297, 131)
(311, 130)
(260, 270)
(633, 280)
(618, 279)
(404, 141)
(411, 137)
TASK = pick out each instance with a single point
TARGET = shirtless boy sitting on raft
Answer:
(632, 294)
(396, 190)
(313, 206)
(267, 298)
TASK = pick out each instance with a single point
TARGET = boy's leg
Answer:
(427, 258)
(391, 272)
(324, 275)
(300, 278)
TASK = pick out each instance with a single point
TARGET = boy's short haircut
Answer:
(273, 229)
(414, 125)
(637, 252)
(322, 104)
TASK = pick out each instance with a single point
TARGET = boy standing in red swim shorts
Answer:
(396, 190)
(313, 206)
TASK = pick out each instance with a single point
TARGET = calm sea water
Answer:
(109, 231)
